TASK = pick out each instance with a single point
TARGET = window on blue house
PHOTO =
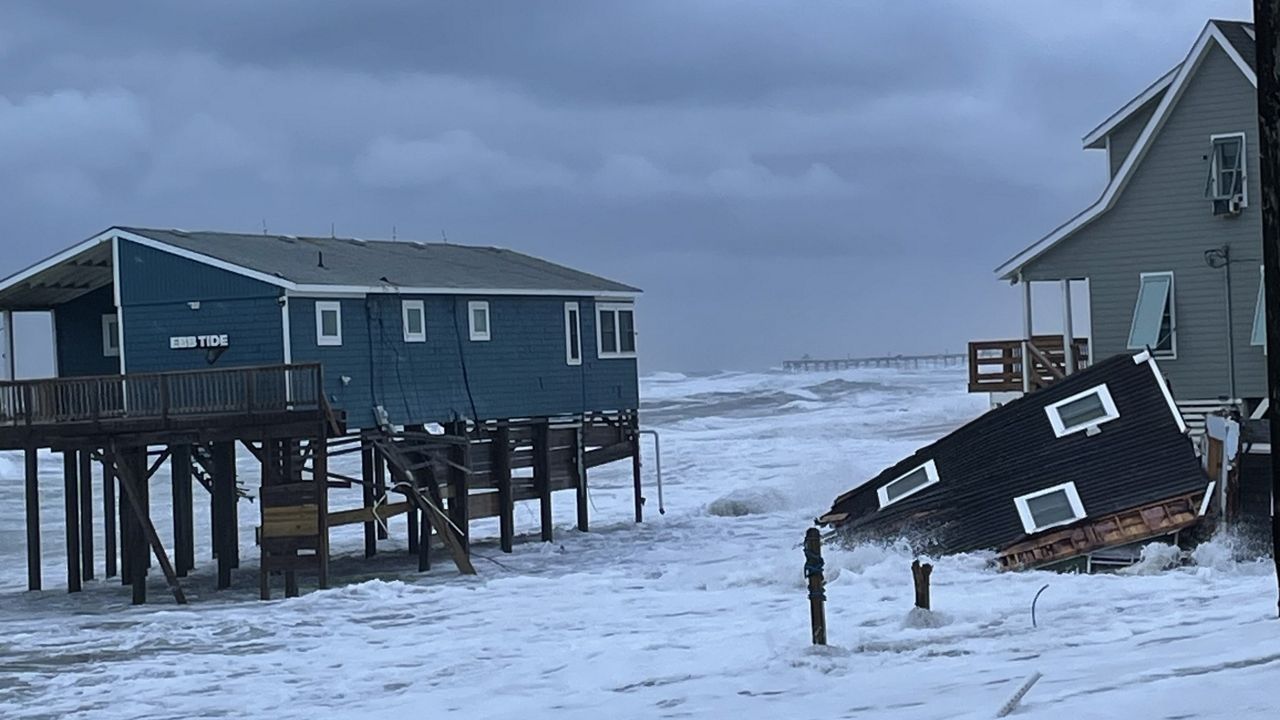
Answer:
(328, 322)
(110, 335)
(572, 334)
(478, 318)
(415, 320)
(1154, 324)
(615, 330)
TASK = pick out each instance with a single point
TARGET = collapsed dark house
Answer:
(1100, 459)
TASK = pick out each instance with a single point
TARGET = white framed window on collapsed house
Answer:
(414, 319)
(1050, 507)
(1154, 325)
(1227, 169)
(328, 322)
(110, 335)
(615, 330)
(1082, 412)
(1259, 334)
(572, 334)
(478, 320)
(908, 484)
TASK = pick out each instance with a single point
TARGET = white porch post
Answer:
(1026, 334)
(1068, 336)
(8, 361)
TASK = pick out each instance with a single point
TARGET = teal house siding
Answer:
(150, 276)
(521, 371)
(78, 335)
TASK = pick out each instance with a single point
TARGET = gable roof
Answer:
(312, 265)
(1235, 39)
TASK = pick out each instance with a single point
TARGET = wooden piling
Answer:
(635, 470)
(224, 502)
(320, 465)
(380, 487)
(813, 572)
(85, 473)
(366, 477)
(184, 551)
(71, 490)
(500, 469)
(109, 516)
(134, 481)
(542, 477)
(459, 483)
(920, 575)
(580, 484)
(32, 489)
(126, 526)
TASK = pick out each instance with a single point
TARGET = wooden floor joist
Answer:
(1145, 522)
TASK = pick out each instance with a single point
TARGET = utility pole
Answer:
(1266, 21)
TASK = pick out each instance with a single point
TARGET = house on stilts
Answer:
(466, 379)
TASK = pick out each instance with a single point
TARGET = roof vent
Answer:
(320, 258)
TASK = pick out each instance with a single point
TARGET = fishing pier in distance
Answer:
(901, 362)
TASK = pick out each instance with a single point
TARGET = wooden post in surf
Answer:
(920, 574)
(813, 566)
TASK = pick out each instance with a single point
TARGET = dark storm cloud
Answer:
(781, 177)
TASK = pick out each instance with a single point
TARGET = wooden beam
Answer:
(500, 470)
(86, 515)
(459, 459)
(320, 462)
(130, 484)
(184, 546)
(580, 481)
(366, 514)
(71, 488)
(224, 501)
(32, 488)
(637, 489)
(380, 487)
(109, 515)
(370, 525)
(542, 478)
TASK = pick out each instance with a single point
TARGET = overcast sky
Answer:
(781, 178)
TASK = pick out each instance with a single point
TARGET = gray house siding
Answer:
(1124, 135)
(522, 371)
(78, 339)
(1162, 222)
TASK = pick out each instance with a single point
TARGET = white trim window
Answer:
(413, 318)
(478, 320)
(572, 334)
(1227, 169)
(907, 485)
(1050, 507)
(328, 322)
(1082, 412)
(1154, 323)
(615, 330)
(1259, 334)
(110, 335)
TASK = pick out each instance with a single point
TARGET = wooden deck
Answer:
(996, 365)
(82, 411)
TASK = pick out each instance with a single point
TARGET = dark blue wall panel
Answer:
(252, 326)
(79, 335)
(154, 276)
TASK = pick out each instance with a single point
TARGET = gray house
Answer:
(1170, 254)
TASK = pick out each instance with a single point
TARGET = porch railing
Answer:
(160, 396)
(996, 365)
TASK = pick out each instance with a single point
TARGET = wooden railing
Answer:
(996, 365)
(161, 396)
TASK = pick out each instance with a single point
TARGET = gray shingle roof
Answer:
(370, 263)
(1238, 34)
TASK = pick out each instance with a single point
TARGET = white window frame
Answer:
(406, 306)
(323, 306)
(930, 470)
(477, 335)
(601, 308)
(572, 323)
(1172, 352)
(1108, 403)
(1258, 333)
(1073, 497)
(109, 334)
(1244, 167)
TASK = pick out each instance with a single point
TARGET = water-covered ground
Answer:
(700, 612)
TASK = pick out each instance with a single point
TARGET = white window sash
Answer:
(572, 333)
(328, 306)
(475, 333)
(1238, 169)
(407, 308)
(1259, 334)
(1060, 429)
(1155, 296)
(1073, 497)
(616, 326)
(931, 471)
(110, 335)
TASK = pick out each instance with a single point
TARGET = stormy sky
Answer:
(781, 178)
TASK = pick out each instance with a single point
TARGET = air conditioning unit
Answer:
(1228, 207)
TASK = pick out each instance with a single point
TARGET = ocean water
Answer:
(698, 612)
